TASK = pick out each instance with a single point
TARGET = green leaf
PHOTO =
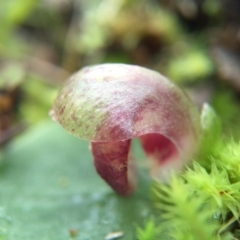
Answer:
(211, 128)
(49, 190)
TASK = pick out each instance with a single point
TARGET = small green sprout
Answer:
(227, 156)
(215, 188)
(183, 212)
(149, 231)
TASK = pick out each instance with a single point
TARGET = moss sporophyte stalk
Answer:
(110, 104)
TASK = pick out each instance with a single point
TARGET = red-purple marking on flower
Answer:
(110, 104)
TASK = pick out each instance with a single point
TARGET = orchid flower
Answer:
(110, 104)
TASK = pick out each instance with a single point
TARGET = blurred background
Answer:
(196, 43)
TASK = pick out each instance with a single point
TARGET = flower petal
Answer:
(111, 160)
